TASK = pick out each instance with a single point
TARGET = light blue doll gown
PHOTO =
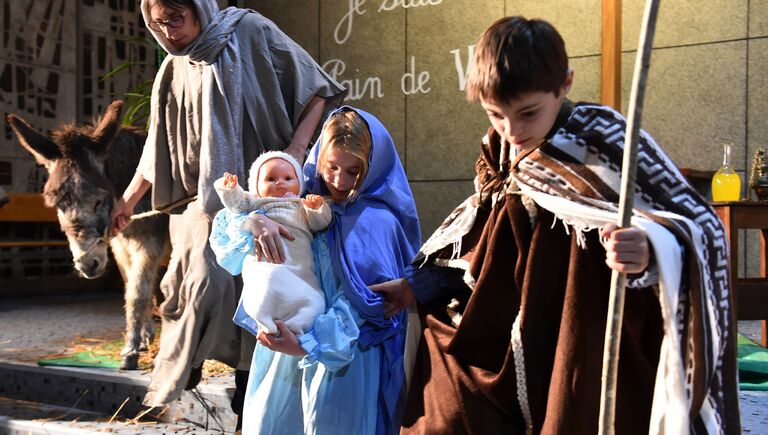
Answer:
(339, 382)
(352, 380)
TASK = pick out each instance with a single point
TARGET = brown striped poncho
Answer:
(526, 355)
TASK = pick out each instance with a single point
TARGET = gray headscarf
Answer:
(198, 125)
(219, 135)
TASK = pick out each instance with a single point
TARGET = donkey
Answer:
(87, 167)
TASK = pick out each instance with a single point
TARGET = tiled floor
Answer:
(30, 329)
(754, 412)
(754, 404)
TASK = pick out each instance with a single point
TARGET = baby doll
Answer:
(289, 291)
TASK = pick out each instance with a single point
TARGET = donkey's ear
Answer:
(107, 128)
(44, 149)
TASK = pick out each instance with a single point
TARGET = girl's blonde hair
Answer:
(347, 131)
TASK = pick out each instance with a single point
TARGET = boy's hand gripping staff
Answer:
(626, 202)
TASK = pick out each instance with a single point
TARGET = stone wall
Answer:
(53, 54)
(404, 60)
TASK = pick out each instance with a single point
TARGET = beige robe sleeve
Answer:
(319, 219)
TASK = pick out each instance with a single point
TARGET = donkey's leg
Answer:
(154, 248)
(122, 259)
(146, 322)
(122, 254)
(158, 252)
(138, 295)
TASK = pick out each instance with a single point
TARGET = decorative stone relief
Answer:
(43, 78)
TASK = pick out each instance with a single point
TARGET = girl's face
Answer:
(340, 173)
(180, 26)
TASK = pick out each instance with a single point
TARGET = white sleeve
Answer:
(235, 199)
(318, 219)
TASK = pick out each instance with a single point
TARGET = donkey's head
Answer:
(77, 186)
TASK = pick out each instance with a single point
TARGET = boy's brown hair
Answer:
(515, 56)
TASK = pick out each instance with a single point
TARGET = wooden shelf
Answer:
(749, 294)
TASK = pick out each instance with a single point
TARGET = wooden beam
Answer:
(26, 207)
(610, 68)
(33, 243)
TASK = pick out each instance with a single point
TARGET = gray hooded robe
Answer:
(236, 91)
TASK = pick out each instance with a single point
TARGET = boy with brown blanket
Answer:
(513, 287)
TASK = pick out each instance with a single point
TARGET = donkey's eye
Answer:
(97, 205)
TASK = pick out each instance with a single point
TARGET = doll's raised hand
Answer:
(230, 180)
(312, 201)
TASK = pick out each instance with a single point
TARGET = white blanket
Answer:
(289, 291)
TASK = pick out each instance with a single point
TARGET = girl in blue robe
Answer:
(349, 378)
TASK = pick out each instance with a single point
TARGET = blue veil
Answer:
(372, 239)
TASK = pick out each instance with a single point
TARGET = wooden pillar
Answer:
(610, 69)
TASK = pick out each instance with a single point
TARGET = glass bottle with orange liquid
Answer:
(726, 184)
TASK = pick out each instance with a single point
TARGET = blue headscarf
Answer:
(372, 239)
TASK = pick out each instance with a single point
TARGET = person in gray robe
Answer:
(232, 86)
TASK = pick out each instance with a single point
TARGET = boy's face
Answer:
(525, 121)
(277, 178)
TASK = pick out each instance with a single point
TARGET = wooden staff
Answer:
(626, 202)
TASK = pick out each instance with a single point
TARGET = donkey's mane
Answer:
(77, 171)
(73, 141)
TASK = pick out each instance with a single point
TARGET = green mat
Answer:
(106, 355)
(753, 365)
(752, 358)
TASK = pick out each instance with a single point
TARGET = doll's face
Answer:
(277, 179)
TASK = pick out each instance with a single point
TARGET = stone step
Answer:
(18, 417)
(105, 391)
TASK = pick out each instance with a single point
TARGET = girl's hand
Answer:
(313, 201)
(286, 343)
(397, 294)
(230, 180)
(267, 233)
(626, 249)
